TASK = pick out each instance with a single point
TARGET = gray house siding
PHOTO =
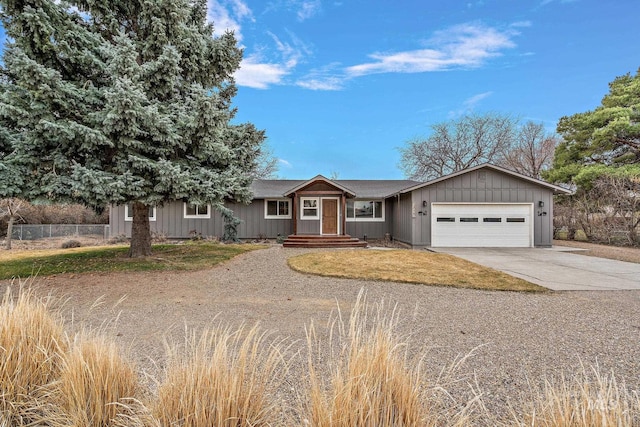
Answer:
(254, 224)
(483, 186)
(403, 221)
(373, 229)
(170, 222)
(308, 226)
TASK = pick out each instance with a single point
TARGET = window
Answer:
(365, 210)
(491, 219)
(445, 219)
(309, 206)
(515, 219)
(468, 219)
(128, 212)
(274, 209)
(197, 211)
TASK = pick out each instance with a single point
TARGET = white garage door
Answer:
(481, 225)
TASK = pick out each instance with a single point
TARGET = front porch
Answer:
(323, 241)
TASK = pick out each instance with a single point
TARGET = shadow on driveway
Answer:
(555, 268)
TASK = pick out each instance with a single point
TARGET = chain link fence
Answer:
(43, 231)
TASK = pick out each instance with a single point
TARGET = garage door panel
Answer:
(481, 225)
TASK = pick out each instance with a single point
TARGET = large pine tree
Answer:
(122, 101)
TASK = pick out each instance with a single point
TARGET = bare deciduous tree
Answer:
(457, 145)
(10, 208)
(266, 164)
(532, 150)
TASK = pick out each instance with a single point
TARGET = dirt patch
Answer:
(620, 253)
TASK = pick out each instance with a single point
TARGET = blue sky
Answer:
(340, 85)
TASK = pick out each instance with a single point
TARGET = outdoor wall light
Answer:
(424, 203)
(541, 204)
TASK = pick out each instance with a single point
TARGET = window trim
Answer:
(317, 208)
(373, 219)
(129, 218)
(197, 215)
(266, 210)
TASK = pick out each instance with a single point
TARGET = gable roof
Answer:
(370, 189)
(319, 178)
(555, 188)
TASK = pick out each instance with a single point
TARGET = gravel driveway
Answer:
(515, 336)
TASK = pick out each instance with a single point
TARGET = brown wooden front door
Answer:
(329, 216)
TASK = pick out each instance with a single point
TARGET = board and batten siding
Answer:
(483, 186)
(403, 222)
(373, 229)
(170, 222)
(255, 225)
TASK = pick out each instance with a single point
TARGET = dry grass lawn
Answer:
(409, 267)
(620, 253)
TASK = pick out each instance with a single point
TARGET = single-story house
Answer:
(483, 206)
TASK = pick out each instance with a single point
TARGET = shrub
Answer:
(120, 238)
(70, 244)
(220, 379)
(31, 353)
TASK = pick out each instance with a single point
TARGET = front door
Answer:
(329, 216)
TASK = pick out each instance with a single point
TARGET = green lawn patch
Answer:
(187, 256)
(409, 267)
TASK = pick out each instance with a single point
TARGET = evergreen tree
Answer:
(604, 139)
(123, 101)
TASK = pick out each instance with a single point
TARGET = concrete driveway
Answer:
(555, 268)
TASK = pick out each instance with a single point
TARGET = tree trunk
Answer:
(140, 232)
(9, 232)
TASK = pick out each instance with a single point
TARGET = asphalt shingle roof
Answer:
(266, 188)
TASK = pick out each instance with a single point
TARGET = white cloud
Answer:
(461, 46)
(329, 77)
(292, 52)
(228, 15)
(285, 163)
(470, 103)
(255, 72)
(329, 83)
(259, 75)
(308, 9)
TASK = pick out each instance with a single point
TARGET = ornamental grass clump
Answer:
(97, 387)
(371, 382)
(223, 377)
(588, 398)
(31, 354)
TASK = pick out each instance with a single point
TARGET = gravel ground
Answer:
(516, 338)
